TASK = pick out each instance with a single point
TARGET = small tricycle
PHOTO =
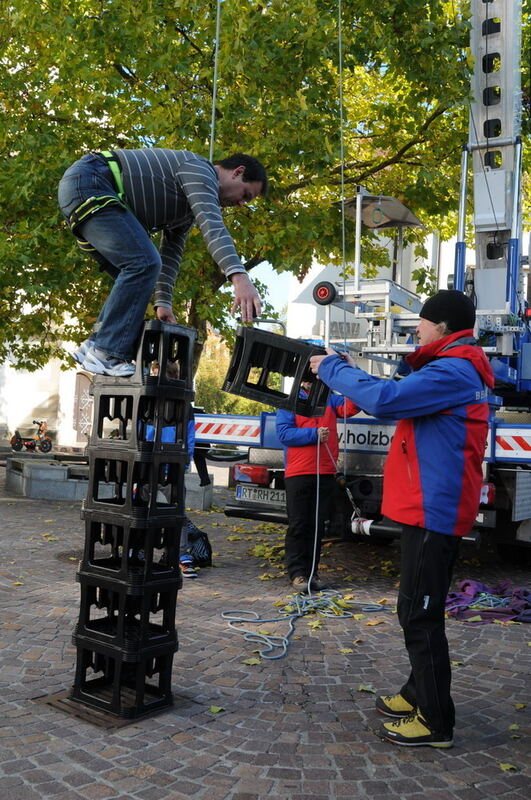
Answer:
(40, 442)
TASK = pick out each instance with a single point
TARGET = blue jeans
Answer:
(123, 249)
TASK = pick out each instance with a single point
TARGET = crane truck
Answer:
(387, 312)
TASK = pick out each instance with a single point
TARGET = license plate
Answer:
(260, 495)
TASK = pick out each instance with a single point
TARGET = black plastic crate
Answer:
(126, 418)
(164, 359)
(138, 486)
(260, 362)
(129, 551)
(130, 618)
(109, 680)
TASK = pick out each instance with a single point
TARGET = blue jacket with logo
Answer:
(433, 473)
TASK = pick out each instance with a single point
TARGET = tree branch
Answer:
(126, 73)
(189, 40)
(378, 166)
(253, 262)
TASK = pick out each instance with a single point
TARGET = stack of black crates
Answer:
(134, 511)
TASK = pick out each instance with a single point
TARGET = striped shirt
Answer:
(171, 190)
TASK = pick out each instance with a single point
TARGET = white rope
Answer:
(343, 221)
(317, 504)
(329, 603)
(341, 138)
(215, 83)
(324, 603)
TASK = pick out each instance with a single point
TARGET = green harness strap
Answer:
(94, 204)
(114, 166)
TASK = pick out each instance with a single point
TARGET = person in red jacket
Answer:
(311, 451)
(432, 484)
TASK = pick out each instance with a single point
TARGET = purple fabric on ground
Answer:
(508, 602)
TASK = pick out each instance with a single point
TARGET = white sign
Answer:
(365, 436)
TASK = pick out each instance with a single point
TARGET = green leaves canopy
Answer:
(78, 75)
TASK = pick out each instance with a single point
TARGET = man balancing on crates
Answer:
(114, 200)
(432, 484)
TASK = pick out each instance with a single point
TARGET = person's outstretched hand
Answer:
(246, 297)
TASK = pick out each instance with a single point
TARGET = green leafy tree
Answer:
(78, 75)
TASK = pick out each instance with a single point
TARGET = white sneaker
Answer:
(102, 363)
(79, 354)
(187, 567)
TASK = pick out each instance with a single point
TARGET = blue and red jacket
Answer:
(299, 436)
(433, 473)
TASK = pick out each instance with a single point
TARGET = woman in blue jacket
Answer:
(432, 484)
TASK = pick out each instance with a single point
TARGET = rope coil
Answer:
(323, 604)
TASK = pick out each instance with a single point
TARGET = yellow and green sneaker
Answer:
(414, 731)
(394, 705)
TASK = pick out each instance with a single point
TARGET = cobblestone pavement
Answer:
(298, 727)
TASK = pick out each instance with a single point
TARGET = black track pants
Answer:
(427, 563)
(301, 495)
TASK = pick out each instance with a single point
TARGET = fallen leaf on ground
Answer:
(251, 662)
(365, 687)
(216, 709)
(338, 601)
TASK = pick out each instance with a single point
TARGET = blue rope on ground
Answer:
(486, 600)
(324, 604)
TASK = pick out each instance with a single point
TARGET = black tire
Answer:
(17, 446)
(45, 445)
(324, 293)
(514, 553)
(225, 456)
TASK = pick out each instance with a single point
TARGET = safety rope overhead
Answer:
(215, 83)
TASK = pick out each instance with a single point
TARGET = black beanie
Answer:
(452, 307)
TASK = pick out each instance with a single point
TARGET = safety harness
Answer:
(92, 205)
